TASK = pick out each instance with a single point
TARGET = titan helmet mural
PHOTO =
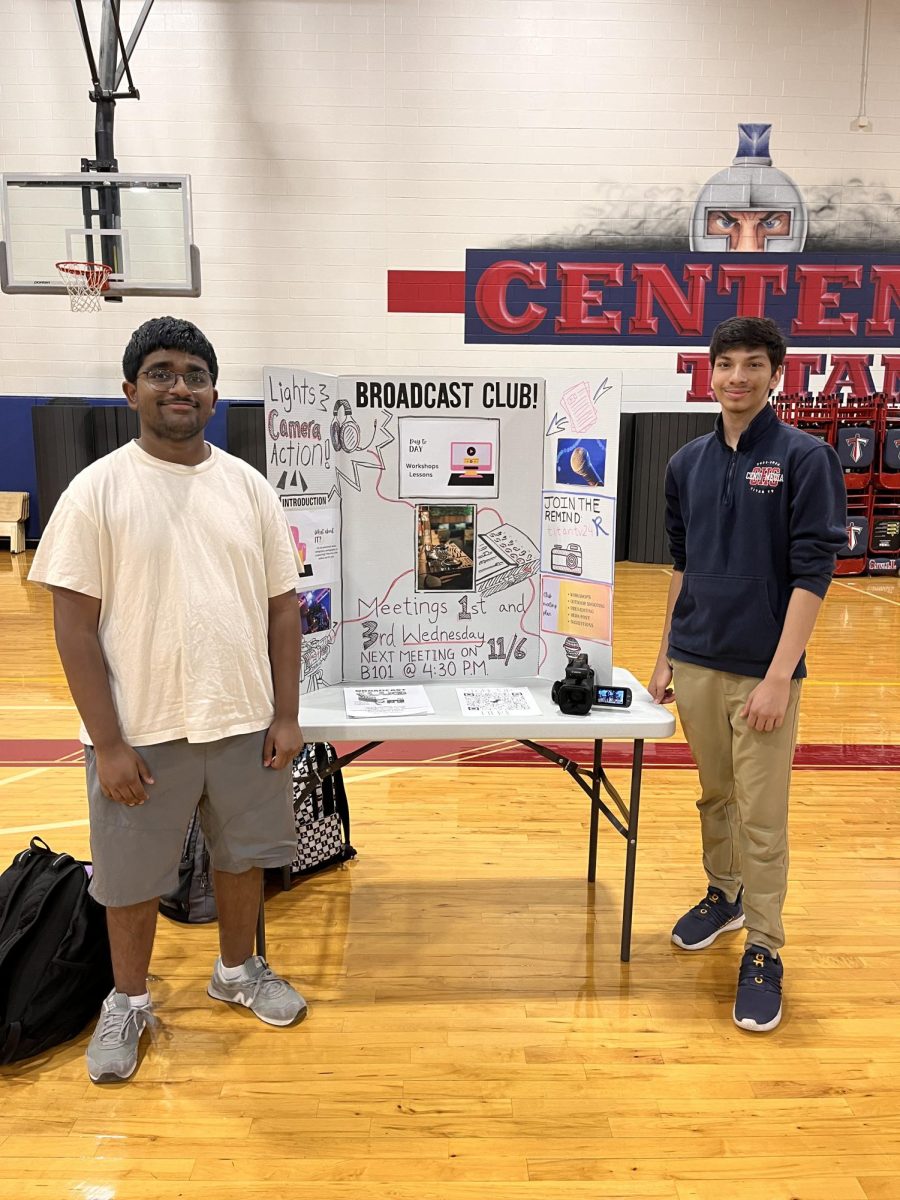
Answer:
(662, 264)
(751, 205)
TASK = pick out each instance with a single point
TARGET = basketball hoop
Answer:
(85, 282)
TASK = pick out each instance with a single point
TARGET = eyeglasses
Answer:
(161, 379)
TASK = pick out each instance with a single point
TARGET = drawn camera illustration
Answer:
(566, 560)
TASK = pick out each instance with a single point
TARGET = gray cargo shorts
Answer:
(245, 809)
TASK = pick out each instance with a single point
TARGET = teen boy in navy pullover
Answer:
(755, 513)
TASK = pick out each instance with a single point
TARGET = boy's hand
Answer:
(122, 773)
(660, 685)
(283, 742)
(767, 704)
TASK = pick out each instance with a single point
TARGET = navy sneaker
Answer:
(701, 925)
(757, 1006)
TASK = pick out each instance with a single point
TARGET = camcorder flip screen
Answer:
(612, 697)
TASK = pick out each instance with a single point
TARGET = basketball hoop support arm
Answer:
(106, 78)
(108, 75)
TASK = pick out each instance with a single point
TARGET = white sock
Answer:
(139, 1001)
(230, 974)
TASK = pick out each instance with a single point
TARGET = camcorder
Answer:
(575, 693)
(578, 693)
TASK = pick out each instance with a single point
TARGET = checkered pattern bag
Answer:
(321, 811)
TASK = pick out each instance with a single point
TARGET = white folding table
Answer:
(323, 719)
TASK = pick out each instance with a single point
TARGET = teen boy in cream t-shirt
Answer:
(173, 577)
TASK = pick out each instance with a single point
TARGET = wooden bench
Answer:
(13, 515)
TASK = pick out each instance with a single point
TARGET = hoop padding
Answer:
(85, 282)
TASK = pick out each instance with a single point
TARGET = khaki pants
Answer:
(745, 777)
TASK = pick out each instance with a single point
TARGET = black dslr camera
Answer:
(575, 694)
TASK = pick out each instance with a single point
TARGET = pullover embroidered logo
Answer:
(765, 477)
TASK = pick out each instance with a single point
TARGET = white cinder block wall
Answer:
(330, 142)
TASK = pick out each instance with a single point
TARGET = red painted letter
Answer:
(887, 292)
(700, 369)
(891, 364)
(752, 281)
(814, 299)
(577, 294)
(797, 370)
(490, 296)
(655, 280)
(850, 370)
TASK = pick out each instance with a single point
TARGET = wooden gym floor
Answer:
(472, 1032)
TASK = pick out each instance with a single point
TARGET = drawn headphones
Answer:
(345, 433)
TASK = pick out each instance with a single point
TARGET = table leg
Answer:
(634, 808)
(596, 778)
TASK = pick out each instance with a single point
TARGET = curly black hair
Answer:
(749, 333)
(167, 333)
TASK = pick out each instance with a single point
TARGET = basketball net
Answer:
(85, 283)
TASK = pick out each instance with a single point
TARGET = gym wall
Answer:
(329, 143)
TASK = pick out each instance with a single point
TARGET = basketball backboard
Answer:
(139, 225)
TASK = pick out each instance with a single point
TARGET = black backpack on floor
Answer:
(193, 901)
(55, 969)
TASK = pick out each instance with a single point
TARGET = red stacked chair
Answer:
(856, 438)
(865, 432)
(853, 558)
(884, 538)
(888, 474)
(815, 414)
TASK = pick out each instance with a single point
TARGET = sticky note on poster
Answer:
(577, 608)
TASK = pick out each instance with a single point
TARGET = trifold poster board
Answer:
(450, 529)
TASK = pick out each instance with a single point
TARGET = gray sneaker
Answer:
(261, 990)
(112, 1052)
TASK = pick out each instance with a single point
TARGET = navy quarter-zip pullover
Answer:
(746, 527)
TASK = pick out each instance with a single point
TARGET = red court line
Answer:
(669, 755)
(41, 753)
